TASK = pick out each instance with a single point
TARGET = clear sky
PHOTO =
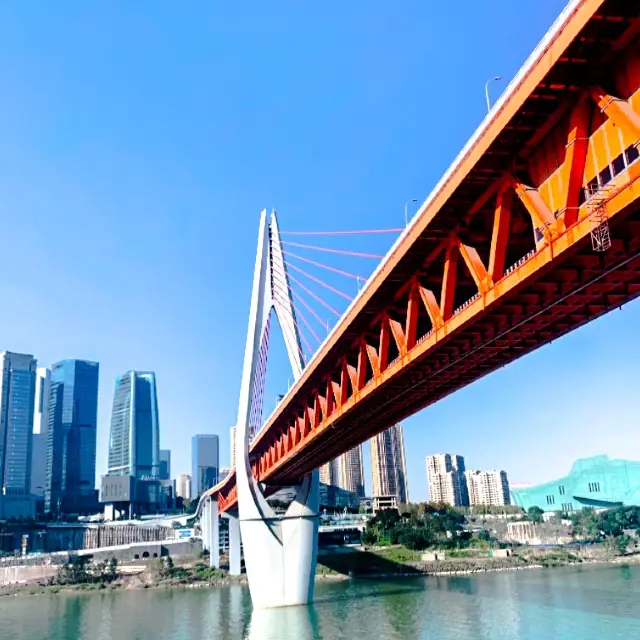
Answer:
(139, 142)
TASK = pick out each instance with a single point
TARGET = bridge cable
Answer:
(283, 297)
(357, 254)
(339, 233)
(284, 307)
(325, 266)
(320, 282)
(296, 295)
(315, 297)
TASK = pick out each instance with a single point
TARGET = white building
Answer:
(40, 431)
(183, 486)
(445, 473)
(487, 487)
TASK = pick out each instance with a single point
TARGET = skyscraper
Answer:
(351, 474)
(487, 487)
(183, 486)
(330, 473)
(134, 445)
(388, 465)
(71, 440)
(165, 464)
(205, 460)
(447, 483)
(17, 386)
(40, 431)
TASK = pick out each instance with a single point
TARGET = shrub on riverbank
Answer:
(79, 570)
(440, 527)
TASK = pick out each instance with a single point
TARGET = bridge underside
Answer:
(583, 287)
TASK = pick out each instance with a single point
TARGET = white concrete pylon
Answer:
(279, 552)
(214, 533)
(235, 551)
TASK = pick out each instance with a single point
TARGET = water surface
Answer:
(578, 603)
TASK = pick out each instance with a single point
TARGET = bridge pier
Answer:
(280, 552)
(211, 531)
(235, 551)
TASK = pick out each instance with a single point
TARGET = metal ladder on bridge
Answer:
(596, 197)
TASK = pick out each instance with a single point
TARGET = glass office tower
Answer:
(205, 460)
(165, 464)
(134, 444)
(17, 387)
(71, 445)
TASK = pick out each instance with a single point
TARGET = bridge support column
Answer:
(279, 552)
(204, 522)
(235, 559)
(213, 530)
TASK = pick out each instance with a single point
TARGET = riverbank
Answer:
(339, 564)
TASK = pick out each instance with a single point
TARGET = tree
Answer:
(167, 565)
(417, 538)
(535, 513)
(484, 535)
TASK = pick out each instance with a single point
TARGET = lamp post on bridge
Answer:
(406, 204)
(486, 90)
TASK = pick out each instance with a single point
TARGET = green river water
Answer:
(600, 602)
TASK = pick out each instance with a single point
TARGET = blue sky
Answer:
(139, 142)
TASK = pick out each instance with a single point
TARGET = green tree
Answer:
(417, 538)
(535, 513)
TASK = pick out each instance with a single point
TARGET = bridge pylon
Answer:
(279, 551)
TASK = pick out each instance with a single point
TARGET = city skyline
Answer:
(369, 481)
(179, 191)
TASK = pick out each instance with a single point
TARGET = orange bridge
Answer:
(532, 232)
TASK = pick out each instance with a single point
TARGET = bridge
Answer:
(532, 232)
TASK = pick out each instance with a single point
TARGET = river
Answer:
(577, 603)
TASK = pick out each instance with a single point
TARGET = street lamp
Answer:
(486, 90)
(406, 204)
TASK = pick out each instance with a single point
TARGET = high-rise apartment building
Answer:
(165, 464)
(134, 444)
(183, 486)
(205, 460)
(40, 431)
(330, 473)
(71, 440)
(447, 484)
(487, 487)
(351, 476)
(388, 465)
(17, 386)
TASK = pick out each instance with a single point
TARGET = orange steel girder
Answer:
(489, 284)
